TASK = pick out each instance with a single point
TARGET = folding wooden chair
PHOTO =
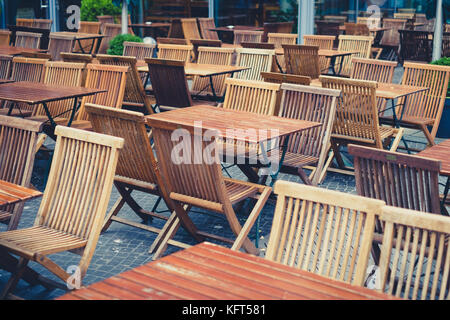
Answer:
(109, 30)
(58, 44)
(247, 36)
(5, 37)
(323, 231)
(42, 23)
(415, 254)
(202, 185)
(391, 37)
(196, 43)
(205, 25)
(323, 42)
(5, 66)
(190, 29)
(104, 20)
(356, 29)
(18, 140)
(415, 46)
(361, 45)
(278, 39)
(135, 96)
(302, 60)
(258, 60)
(91, 27)
(372, 21)
(24, 22)
(175, 52)
(138, 50)
(73, 207)
(28, 40)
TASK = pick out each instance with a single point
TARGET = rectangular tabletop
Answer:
(35, 92)
(11, 193)
(15, 51)
(211, 272)
(79, 35)
(151, 25)
(440, 152)
(254, 128)
(200, 69)
(246, 28)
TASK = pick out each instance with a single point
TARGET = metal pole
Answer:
(210, 8)
(124, 17)
(356, 10)
(437, 44)
(52, 12)
(305, 19)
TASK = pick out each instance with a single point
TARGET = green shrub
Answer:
(116, 44)
(90, 9)
(444, 61)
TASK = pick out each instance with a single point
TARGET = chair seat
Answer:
(35, 241)
(239, 190)
(16, 112)
(296, 160)
(5, 216)
(385, 132)
(137, 184)
(408, 120)
(82, 124)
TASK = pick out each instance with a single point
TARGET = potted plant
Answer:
(444, 125)
(116, 44)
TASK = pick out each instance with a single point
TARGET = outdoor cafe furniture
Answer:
(175, 52)
(152, 29)
(361, 46)
(415, 46)
(247, 36)
(5, 37)
(89, 27)
(276, 77)
(324, 43)
(81, 41)
(302, 60)
(138, 50)
(27, 40)
(17, 51)
(109, 31)
(208, 271)
(5, 67)
(391, 37)
(190, 29)
(226, 34)
(205, 25)
(256, 61)
(73, 207)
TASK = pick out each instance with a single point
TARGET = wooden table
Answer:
(376, 32)
(209, 272)
(154, 27)
(11, 193)
(227, 34)
(36, 93)
(80, 37)
(17, 51)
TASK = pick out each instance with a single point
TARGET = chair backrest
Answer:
(258, 60)
(415, 46)
(217, 56)
(24, 22)
(5, 37)
(404, 15)
(322, 231)
(373, 70)
(91, 27)
(356, 29)
(247, 36)
(64, 74)
(58, 44)
(79, 186)
(258, 45)
(421, 18)
(371, 22)
(275, 77)
(175, 52)
(328, 28)
(278, 39)
(401, 180)
(391, 36)
(205, 25)
(5, 66)
(113, 79)
(190, 29)
(138, 50)
(110, 30)
(251, 96)
(104, 20)
(357, 114)
(323, 42)
(196, 43)
(415, 254)
(428, 104)
(134, 90)
(361, 45)
(42, 23)
(27, 69)
(28, 40)
(136, 160)
(339, 19)
(302, 60)
(178, 41)
(169, 82)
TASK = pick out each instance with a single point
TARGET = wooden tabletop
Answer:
(15, 51)
(35, 92)
(440, 152)
(11, 193)
(247, 28)
(79, 35)
(151, 25)
(255, 128)
(211, 272)
(202, 70)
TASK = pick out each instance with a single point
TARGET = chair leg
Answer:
(302, 174)
(427, 135)
(157, 242)
(337, 155)
(114, 211)
(397, 140)
(172, 230)
(14, 279)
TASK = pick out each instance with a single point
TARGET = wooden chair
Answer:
(77, 57)
(258, 60)
(423, 109)
(5, 37)
(106, 19)
(205, 25)
(136, 167)
(24, 22)
(338, 19)
(373, 22)
(217, 56)
(276, 27)
(247, 36)
(278, 39)
(357, 117)
(18, 139)
(391, 37)
(175, 52)
(302, 60)
(258, 45)
(110, 30)
(134, 91)
(202, 185)
(323, 42)
(275, 77)
(24, 69)
(138, 50)
(322, 231)
(73, 207)
(36, 55)
(415, 254)
(356, 29)
(404, 15)
(360, 44)
(447, 28)
(190, 29)
(196, 43)
(67, 74)
(42, 23)
(28, 40)
(5, 66)
(415, 46)
(308, 148)
(58, 44)
(178, 41)
(91, 27)
(327, 28)
(113, 79)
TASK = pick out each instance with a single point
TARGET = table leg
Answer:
(332, 65)
(444, 198)
(398, 120)
(74, 111)
(211, 83)
(81, 47)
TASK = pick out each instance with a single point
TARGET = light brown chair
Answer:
(323, 231)
(5, 66)
(91, 27)
(24, 22)
(58, 44)
(424, 108)
(138, 50)
(134, 91)
(175, 52)
(302, 60)
(178, 41)
(415, 254)
(18, 140)
(202, 185)
(357, 117)
(42, 23)
(205, 25)
(73, 207)
(278, 39)
(110, 30)
(404, 15)
(391, 37)
(324, 43)
(77, 57)
(275, 77)
(371, 22)
(104, 20)
(216, 56)
(27, 40)
(5, 37)
(247, 36)
(361, 45)
(331, 18)
(257, 45)
(197, 43)
(356, 29)
(190, 29)
(258, 60)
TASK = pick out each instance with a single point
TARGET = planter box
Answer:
(444, 125)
